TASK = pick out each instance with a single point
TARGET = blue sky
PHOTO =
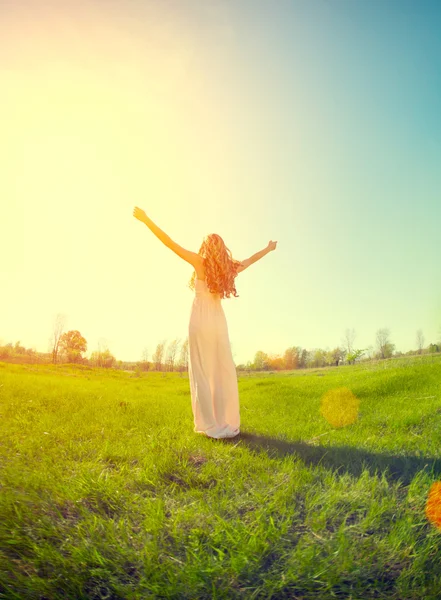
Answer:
(315, 123)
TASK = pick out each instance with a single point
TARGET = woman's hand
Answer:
(272, 245)
(139, 214)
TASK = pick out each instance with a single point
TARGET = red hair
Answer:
(220, 267)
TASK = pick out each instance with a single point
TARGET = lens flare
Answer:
(433, 505)
(340, 407)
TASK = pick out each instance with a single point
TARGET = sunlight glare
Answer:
(340, 407)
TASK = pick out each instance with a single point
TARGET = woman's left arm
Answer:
(187, 255)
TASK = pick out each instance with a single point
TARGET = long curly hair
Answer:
(220, 267)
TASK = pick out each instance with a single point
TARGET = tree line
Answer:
(70, 347)
(347, 353)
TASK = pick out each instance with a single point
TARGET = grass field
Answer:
(107, 493)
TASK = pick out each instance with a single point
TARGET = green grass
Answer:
(106, 492)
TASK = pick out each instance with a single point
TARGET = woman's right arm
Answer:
(249, 261)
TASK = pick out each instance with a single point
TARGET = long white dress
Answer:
(211, 369)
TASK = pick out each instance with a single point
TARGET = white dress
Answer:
(211, 369)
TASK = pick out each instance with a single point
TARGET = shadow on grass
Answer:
(343, 459)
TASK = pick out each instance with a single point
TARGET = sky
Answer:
(314, 123)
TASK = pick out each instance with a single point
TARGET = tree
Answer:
(102, 358)
(183, 357)
(260, 360)
(19, 349)
(385, 347)
(370, 352)
(348, 340)
(318, 358)
(57, 330)
(420, 340)
(73, 345)
(7, 351)
(354, 355)
(145, 360)
(171, 355)
(389, 350)
(333, 357)
(337, 356)
(275, 362)
(158, 355)
(303, 358)
(291, 358)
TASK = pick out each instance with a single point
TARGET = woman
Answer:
(211, 369)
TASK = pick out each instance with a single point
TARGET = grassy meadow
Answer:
(107, 493)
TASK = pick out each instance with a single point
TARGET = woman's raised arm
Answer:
(249, 261)
(187, 255)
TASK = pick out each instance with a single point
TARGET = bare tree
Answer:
(370, 352)
(158, 356)
(183, 357)
(102, 357)
(420, 340)
(57, 331)
(171, 355)
(144, 364)
(385, 347)
(348, 340)
(103, 344)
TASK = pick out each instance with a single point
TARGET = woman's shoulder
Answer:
(199, 267)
